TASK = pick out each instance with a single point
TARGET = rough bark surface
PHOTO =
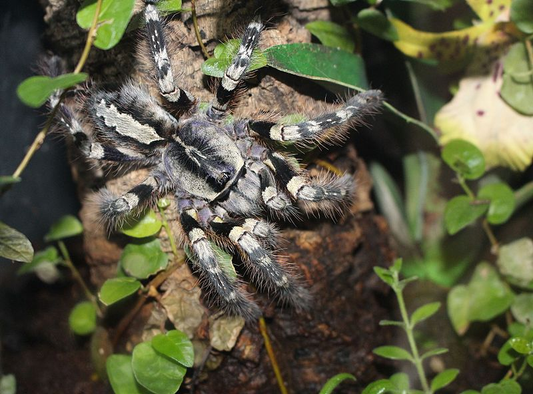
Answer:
(335, 259)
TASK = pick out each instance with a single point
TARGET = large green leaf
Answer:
(332, 35)
(175, 345)
(156, 372)
(120, 374)
(144, 259)
(34, 91)
(14, 245)
(320, 63)
(67, 226)
(116, 289)
(112, 21)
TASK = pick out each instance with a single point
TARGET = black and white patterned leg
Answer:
(115, 210)
(317, 130)
(236, 71)
(326, 193)
(229, 296)
(264, 267)
(165, 76)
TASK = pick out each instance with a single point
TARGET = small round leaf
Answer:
(175, 345)
(120, 374)
(143, 260)
(82, 319)
(443, 379)
(460, 211)
(144, 226)
(116, 289)
(156, 372)
(522, 15)
(464, 158)
(502, 202)
(520, 345)
(522, 308)
(67, 226)
(507, 355)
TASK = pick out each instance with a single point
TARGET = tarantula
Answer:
(227, 177)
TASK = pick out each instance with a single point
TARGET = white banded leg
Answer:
(263, 266)
(316, 130)
(165, 77)
(325, 193)
(115, 209)
(230, 298)
(236, 71)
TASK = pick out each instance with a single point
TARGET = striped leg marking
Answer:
(316, 130)
(165, 77)
(236, 71)
(231, 299)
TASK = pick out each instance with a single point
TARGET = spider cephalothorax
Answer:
(227, 177)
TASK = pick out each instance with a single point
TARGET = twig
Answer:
(408, 119)
(77, 277)
(197, 30)
(272, 356)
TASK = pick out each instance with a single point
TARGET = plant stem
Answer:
(523, 195)
(39, 139)
(272, 356)
(408, 119)
(77, 277)
(410, 337)
(465, 187)
(169, 232)
(495, 245)
(416, 91)
(197, 30)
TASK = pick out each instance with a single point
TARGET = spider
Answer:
(229, 178)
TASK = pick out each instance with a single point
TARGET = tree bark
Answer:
(335, 260)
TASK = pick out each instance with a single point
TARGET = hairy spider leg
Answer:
(326, 193)
(317, 130)
(236, 70)
(230, 297)
(165, 77)
(264, 267)
(114, 209)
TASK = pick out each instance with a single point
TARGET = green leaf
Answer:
(385, 275)
(461, 211)
(332, 35)
(400, 381)
(337, 3)
(529, 360)
(464, 158)
(443, 379)
(48, 255)
(391, 323)
(8, 180)
(112, 21)
(175, 345)
(156, 372)
(504, 387)
(120, 374)
(34, 91)
(144, 226)
(223, 57)
(67, 226)
(515, 260)
(507, 355)
(143, 260)
(393, 353)
(434, 352)
(521, 345)
(379, 387)
(517, 88)
(502, 202)
(522, 308)
(375, 22)
(333, 382)
(390, 203)
(14, 245)
(116, 289)
(417, 175)
(8, 384)
(485, 297)
(522, 15)
(424, 312)
(167, 6)
(82, 319)
(319, 63)
(163, 203)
